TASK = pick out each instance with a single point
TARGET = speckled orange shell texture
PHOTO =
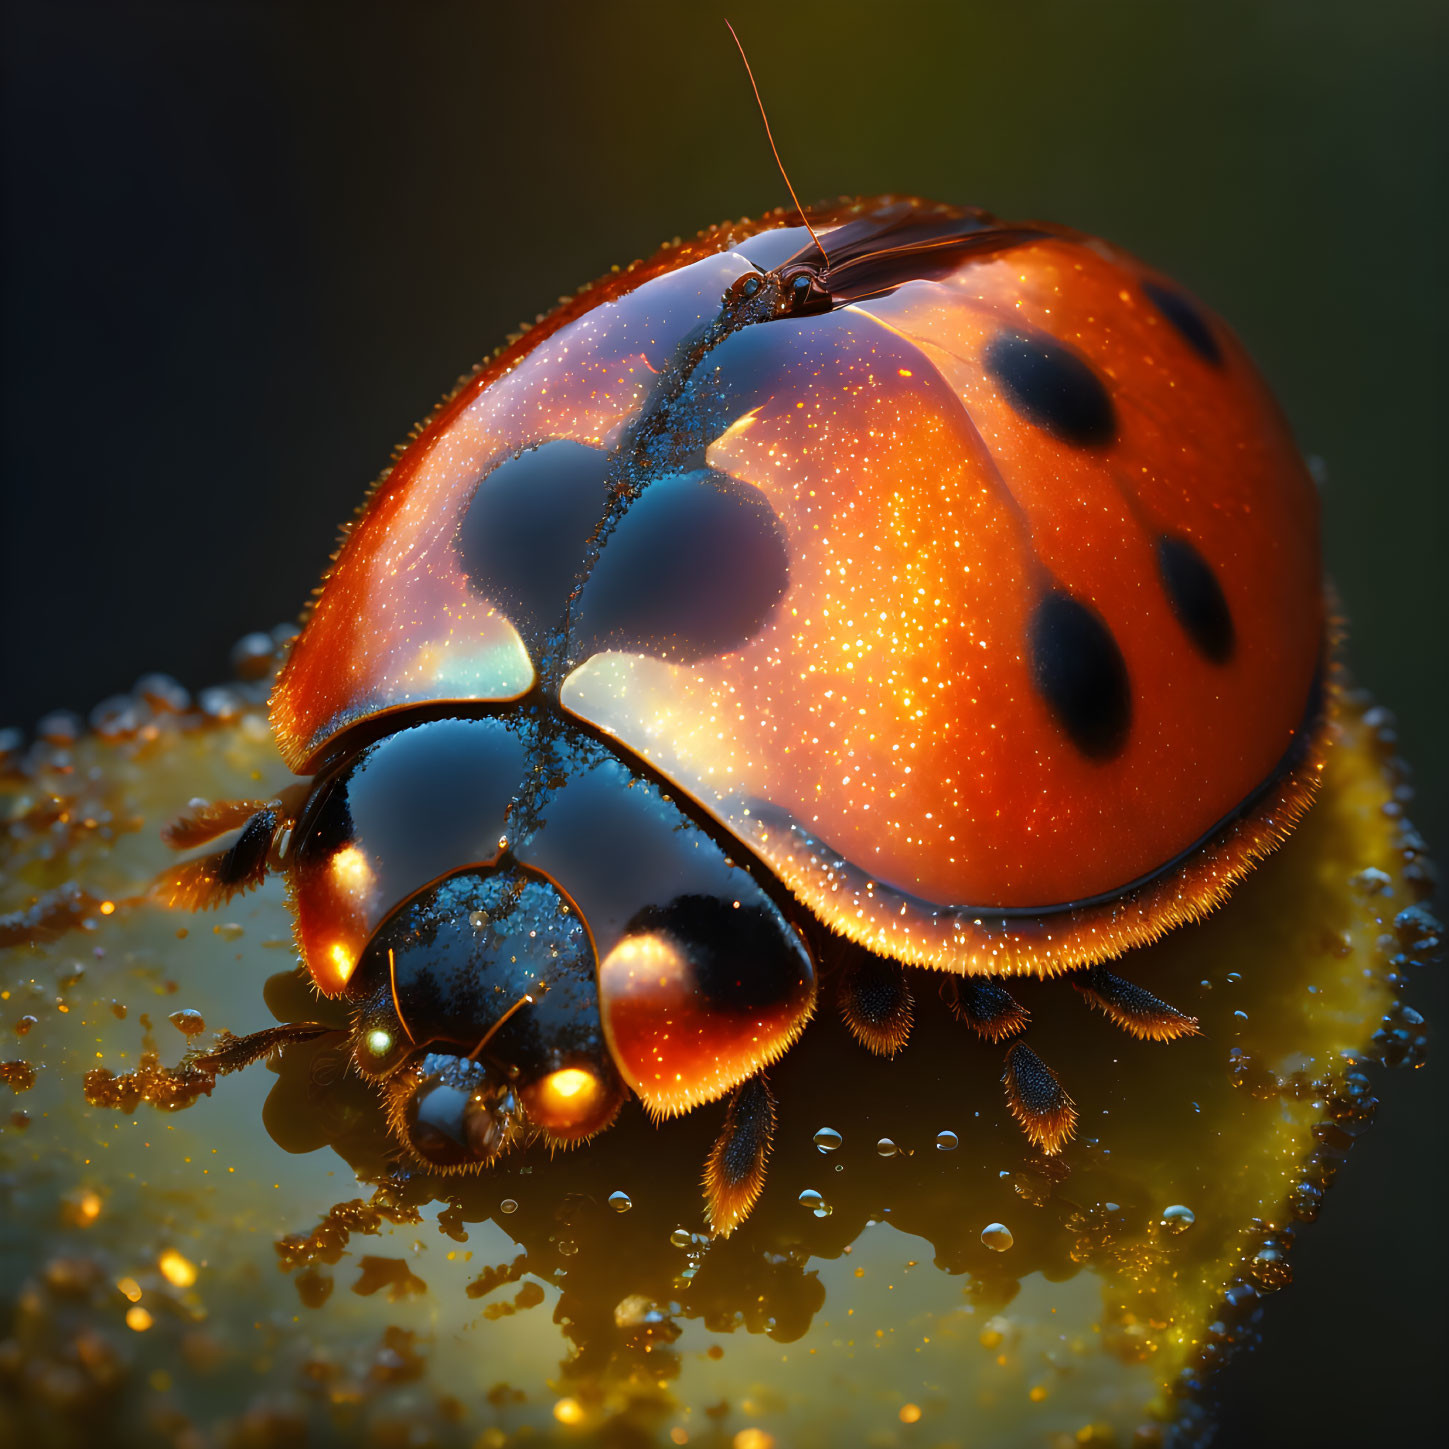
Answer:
(891, 741)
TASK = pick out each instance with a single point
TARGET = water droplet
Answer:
(997, 1237)
(947, 1141)
(1235, 975)
(621, 1202)
(680, 1237)
(827, 1139)
(1241, 1015)
(568, 1247)
(508, 1206)
(1178, 1219)
(1305, 1200)
(886, 1147)
(810, 1198)
(477, 919)
(1270, 1268)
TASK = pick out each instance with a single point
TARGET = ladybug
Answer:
(872, 587)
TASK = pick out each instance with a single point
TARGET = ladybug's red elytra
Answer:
(939, 593)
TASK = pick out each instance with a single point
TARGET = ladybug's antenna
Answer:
(770, 136)
(524, 1000)
(396, 1004)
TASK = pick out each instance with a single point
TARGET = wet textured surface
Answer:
(252, 1266)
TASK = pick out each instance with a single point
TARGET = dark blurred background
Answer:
(247, 245)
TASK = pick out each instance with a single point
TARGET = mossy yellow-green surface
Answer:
(250, 1270)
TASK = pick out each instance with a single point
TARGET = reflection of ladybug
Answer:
(944, 593)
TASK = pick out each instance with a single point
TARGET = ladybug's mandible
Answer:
(940, 592)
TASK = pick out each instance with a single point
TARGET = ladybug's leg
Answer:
(212, 880)
(1133, 1009)
(734, 1172)
(985, 1006)
(207, 819)
(876, 1003)
(1035, 1096)
(1033, 1093)
(232, 1053)
(1036, 1099)
(196, 1073)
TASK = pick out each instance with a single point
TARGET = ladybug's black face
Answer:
(481, 1017)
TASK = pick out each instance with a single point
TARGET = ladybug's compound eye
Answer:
(571, 1103)
(379, 1046)
(803, 291)
(699, 995)
(743, 288)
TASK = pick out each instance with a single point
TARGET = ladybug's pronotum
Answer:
(773, 616)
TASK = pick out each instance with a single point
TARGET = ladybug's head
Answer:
(487, 1005)
(480, 1019)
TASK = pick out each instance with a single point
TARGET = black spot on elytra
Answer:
(1050, 385)
(1196, 598)
(524, 534)
(1186, 320)
(1079, 671)
(745, 959)
(694, 568)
